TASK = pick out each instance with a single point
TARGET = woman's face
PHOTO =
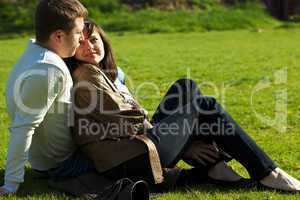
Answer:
(91, 49)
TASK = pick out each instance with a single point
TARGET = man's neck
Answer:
(46, 46)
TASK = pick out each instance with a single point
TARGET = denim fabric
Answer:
(74, 166)
(184, 104)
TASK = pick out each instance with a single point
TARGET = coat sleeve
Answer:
(99, 110)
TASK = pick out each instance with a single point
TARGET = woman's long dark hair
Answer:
(107, 64)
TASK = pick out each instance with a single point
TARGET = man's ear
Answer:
(57, 36)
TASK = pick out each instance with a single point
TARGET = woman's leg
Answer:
(169, 133)
(182, 92)
(185, 114)
(218, 125)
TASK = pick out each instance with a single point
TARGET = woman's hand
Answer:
(147, 124)
(202, 153)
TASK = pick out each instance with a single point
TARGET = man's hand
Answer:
(201, 153)
(4, 191)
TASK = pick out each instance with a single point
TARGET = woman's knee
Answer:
(186, 85)
(207, 103)
(184, 82)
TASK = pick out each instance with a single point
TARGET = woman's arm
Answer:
(100, 105)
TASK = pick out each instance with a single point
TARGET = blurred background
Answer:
(152, 16)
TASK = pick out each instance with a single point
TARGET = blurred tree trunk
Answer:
(281, 9)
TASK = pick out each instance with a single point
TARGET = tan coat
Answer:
(106, 132)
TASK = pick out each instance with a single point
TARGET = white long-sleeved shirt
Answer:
(38, 98)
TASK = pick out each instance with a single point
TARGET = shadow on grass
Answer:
(213, 189)
(36, 185)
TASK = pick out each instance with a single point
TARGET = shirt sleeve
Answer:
(33, 96)
(121, 86)
(121, 76)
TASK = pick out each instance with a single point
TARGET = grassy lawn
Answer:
(228, 65)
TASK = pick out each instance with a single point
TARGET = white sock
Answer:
(279, 179)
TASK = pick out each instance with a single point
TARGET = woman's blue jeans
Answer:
(185, 115)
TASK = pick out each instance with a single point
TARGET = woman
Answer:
(114, 131)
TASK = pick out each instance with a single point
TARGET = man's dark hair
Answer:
(52, 15)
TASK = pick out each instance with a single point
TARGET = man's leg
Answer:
(74, 166)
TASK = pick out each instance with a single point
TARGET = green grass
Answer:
(216, 18)
(115, 17)
(237, 60)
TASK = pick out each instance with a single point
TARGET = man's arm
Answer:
(34, 95)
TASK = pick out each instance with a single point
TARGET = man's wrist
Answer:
(10, 186)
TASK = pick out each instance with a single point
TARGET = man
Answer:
(38, 92)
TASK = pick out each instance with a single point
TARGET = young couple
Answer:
(110, 132)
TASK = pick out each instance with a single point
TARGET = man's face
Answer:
(71, 41)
